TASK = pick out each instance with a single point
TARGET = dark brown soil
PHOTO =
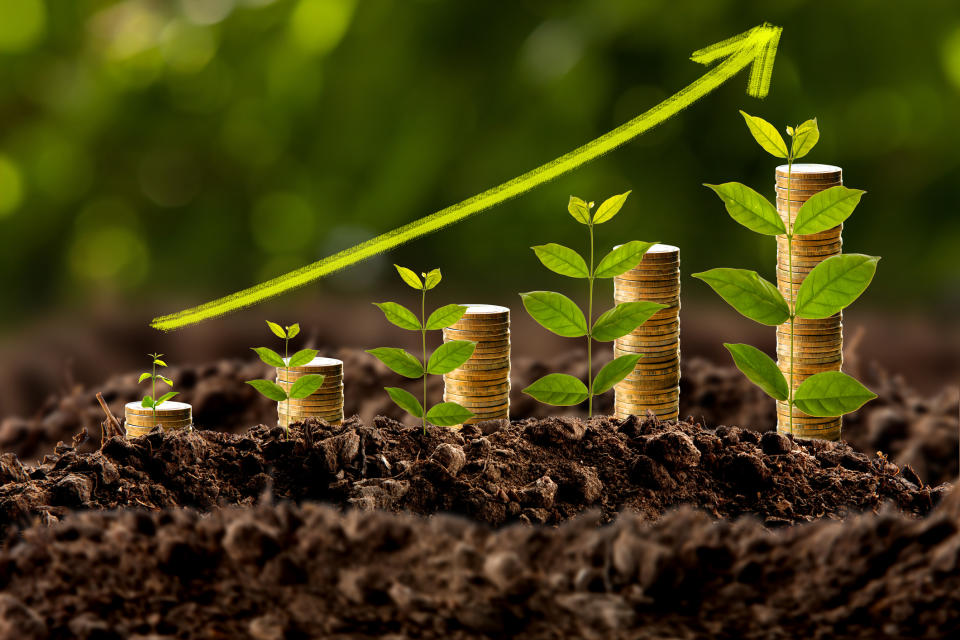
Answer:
(305, 572)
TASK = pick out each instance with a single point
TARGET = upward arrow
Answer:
(756, 47)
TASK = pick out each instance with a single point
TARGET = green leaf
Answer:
(558, 389)
(399, 361)
(166, 396)
(399, 315)
(409, 277)
(448, 414)
(144, 376)
(579, 209)
(749, 294)
(302, 357)
(826, 210)
(622, 259)
(831, 394)
(293, 330)
(623, 318)
(277, 329)
(555, 312)
(165, 379)
(766, 135)
(805, 138)
(270, 389)
(613, 372)
(445, 316)
(159, 362)
(406, 401)
(270, 356)
(450, 355)
(431, 280)
(562, 260)
(760, 369)
(306, 386)
(749, 208)
(833, 284)
(147, 402)
(609, 208)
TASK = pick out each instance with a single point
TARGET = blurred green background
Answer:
(164, 153)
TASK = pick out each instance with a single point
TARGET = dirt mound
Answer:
(536, 471)
(291, 571)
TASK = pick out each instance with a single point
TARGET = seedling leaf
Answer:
(562, 260)
(399, 315)
(622, 259)
(306, 386)
(558, 389)
(147, 402)
(449, 356)
(165, 380)
(167, 396)
(277, 330)
(409, 277)
(448, 414)
(749, 208)
(302, 357)
(613, 372)
(270, 389)
(749, 294)
(623, 318)
(144, 376)
(760, 369)
(833, 284)
(406, 401)
(805, 138)
(826, 210)
(579, 209)
(445, 316)
(431, 280)
(270, 356)
(293, 330)
(831, 394)
(159, 362)
(609, 208)
(766, 135)
(555, 312)
(399, 361)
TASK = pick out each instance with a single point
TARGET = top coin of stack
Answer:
(170, 415)
(654, 383)
(481, 384)
(817, 345)
(326, 403)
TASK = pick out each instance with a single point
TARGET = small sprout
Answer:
(559, 314)
(151, 401)
(445, 358)
(304, 386)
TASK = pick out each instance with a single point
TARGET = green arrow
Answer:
(756, 47)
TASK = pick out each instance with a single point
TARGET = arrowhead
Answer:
(758, 47)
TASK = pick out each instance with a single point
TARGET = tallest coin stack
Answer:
(816, 345)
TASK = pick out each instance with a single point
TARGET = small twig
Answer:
(111, 421)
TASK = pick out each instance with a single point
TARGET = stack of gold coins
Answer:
(654, 385)
(170, 415)
(326, 403)
(481, 384)
(816, 345)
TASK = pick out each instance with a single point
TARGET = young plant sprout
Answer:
(445, 358)
(559, 314)
(830, 287)
(151, 401)
(304, 386)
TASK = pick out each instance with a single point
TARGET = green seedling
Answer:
(828, 289)
(304, 386)
(559, 314)
(445, 358)
(152, 401)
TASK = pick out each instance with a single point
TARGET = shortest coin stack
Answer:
(170, 415)
(326, 403)
(481, 384)
(654, 384)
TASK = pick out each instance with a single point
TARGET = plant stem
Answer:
(423, 339)
(153, 390)
(793, 300)
(286, 360)
(590, 330)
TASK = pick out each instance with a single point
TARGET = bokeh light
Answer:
(22, 24)
(11, 186)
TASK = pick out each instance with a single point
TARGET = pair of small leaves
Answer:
(156, 359)
(562, 390)
(827, 394)
(430, 279)
(561, 315)
(444, 414)
(272, 358)
(402, 317)
(580, 210)
(284, 333)
(567, 262)
(445, 358)
(805, 137)
(149, 403)
(148, 376)
(303, 387)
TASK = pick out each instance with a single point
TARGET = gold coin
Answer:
(485, 365)
(145, 422)
(476, 389)
(667, 394)
(487, 412)
(311, 404)
(170, 406)
(640, 277)
(477, 376)
(493, 403)
(624, 297)
(651, 347)
(485, 356)
(810, 171)
(641, 372)
(484, 324)
(318, 365)
(647, 382)
(474, 336)
(486, 312)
